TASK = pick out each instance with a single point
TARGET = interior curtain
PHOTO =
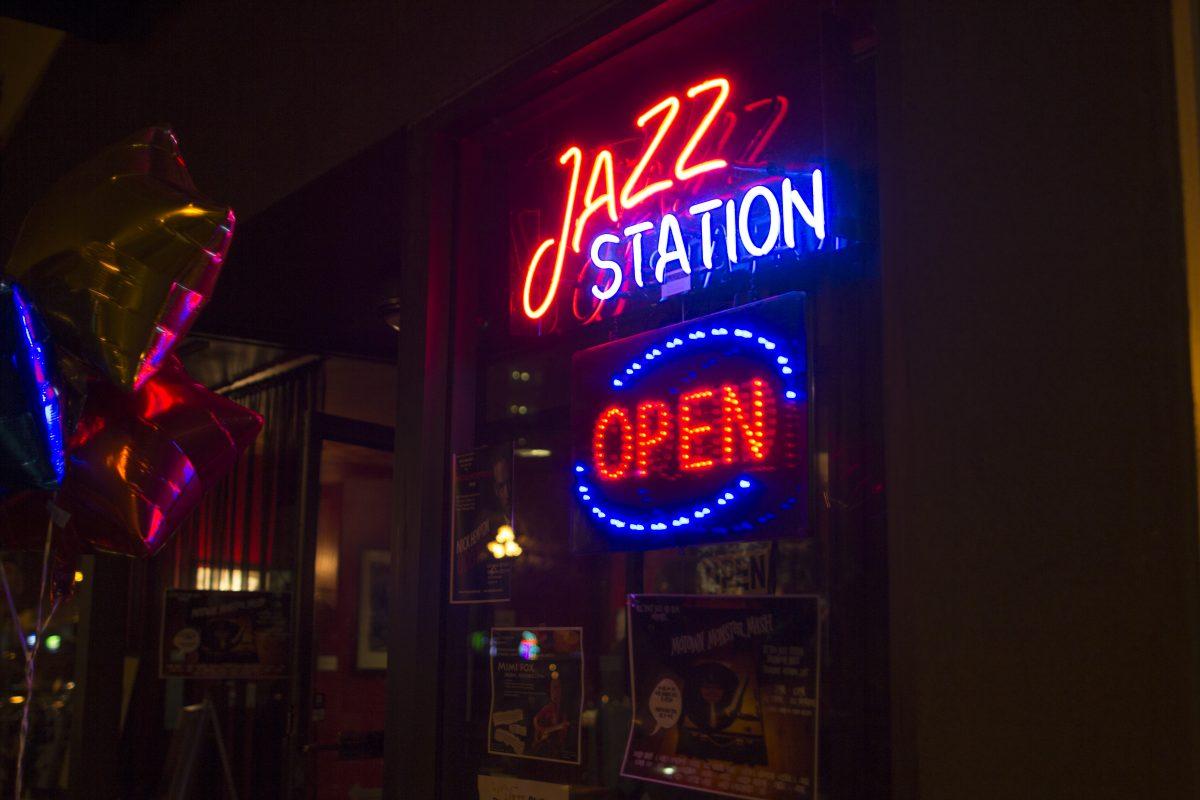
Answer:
(244, 533)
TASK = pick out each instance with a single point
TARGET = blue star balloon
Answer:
(31, 426)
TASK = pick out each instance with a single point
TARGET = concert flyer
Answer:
(725, 694)
(537, 693)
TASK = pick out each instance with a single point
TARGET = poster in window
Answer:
(483, 545)
(537, 693)
(225, 635)
(725, 694)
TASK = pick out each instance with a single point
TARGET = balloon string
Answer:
(16, 618)
(31, 653)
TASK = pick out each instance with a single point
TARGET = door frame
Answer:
(318, 429)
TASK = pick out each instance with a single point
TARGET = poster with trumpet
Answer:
(725, 694)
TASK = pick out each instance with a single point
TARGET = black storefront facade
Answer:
(777, 399)
(610, 247)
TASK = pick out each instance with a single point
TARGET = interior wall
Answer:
(1041, 480)
(361, 389)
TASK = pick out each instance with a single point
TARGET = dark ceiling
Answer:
(311, 270)
(291, 113)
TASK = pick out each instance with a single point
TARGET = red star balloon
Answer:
(139, 463)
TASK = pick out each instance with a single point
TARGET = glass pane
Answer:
(798, 106)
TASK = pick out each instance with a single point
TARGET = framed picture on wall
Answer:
(373, 610)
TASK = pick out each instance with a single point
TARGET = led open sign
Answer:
(694, 432)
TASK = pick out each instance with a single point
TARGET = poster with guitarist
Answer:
(537, 693)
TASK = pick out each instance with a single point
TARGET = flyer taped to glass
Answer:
(725, 694)
(537, 693)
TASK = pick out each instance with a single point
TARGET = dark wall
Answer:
(1041, 484)
(266, 98)
(311, 270)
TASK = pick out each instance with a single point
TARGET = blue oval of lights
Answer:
(623, 521)
(726, 499)
(780, 360)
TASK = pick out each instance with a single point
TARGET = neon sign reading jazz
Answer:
(728, 219)
(691, 431)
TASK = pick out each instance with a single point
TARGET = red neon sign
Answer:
(693, 431)
(603, 167)
(684, 147)
(728, 424)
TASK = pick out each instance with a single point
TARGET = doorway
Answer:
(339, 692)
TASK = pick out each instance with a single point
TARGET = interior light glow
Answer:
(227, 579)
(505, 543)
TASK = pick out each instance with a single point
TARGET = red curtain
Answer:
(244, 533)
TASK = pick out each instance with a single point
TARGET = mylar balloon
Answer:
(121, 254)
(140, 462)
(31, 430)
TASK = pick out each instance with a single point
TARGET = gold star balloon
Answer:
(121, 255)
